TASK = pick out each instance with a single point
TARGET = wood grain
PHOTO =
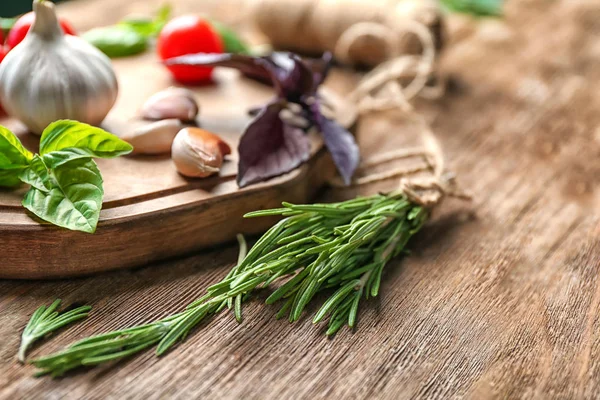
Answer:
(499, 299)
(146, 198)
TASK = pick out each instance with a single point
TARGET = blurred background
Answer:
(11, 8)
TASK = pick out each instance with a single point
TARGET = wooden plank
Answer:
(499, 299)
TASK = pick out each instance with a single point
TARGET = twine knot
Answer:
(382, 90)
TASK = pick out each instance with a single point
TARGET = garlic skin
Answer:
(173, 102)
(198, 153)
(51, 76)
(153, 137)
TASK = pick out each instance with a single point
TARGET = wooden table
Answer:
(500, 298)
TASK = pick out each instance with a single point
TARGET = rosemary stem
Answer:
(340, 248)
(26, 341)
(363, 280)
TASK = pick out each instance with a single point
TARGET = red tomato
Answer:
(188, 34)
(21, 27)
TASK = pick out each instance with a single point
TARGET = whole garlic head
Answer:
(51, 76)
(198, 153)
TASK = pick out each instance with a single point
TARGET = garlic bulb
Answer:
(198, 153)
(51, 76)
(153, 137)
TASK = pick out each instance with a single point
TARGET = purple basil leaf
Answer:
(293, 75)
(237, 61)
(339, 142)
(285, 71)
(320, 68)
(270, 147)
(297, 80)
(255, 67)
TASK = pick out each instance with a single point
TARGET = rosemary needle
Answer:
(46, 320)
(339, 249)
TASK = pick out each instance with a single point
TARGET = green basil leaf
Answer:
(94, 141)
(60, 157)
(163, 14)
(143, 26)
(71, 196)
(36, 174)
(480, 8)
(149, 27)
(12, 152)
(10, 177)
(231, 40)
(117, 41)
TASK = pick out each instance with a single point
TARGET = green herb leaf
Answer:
(149, 27)
(232, 43)
(365, 232)
(143, 26)
(46, 320)
(60, 157)
(36, 174)
(14, 158)
(69, 196)
(12, 153)
(480, 8)
(130, 36)
(96, 142)
(10, 177)
(163, 15)
(117, 41)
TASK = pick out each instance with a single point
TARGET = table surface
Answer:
(499, 298)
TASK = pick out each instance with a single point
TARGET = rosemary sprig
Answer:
(46, 320)
(338, 248)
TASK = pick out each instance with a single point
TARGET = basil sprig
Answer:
(130, 36)
(66, 185)
(14, 158)
(117, 40)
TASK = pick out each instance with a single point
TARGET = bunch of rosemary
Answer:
(340, 248)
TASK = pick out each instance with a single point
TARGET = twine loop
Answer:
(385, 89)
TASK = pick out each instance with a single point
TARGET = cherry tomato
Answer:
(21, 27)
(188, 34)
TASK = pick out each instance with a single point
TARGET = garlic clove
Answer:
(173, 102)
(50, 76)
(154, 137)
(198, 153)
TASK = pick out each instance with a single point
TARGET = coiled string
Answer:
(382, 90)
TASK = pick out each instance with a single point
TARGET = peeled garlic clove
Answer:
(198, 153)
(173, 102)
(154, 137)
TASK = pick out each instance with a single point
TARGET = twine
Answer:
(356, 31)
(382, 90)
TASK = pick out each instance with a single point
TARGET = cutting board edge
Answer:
(46, 252)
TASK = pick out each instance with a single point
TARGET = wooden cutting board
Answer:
(150, 212)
